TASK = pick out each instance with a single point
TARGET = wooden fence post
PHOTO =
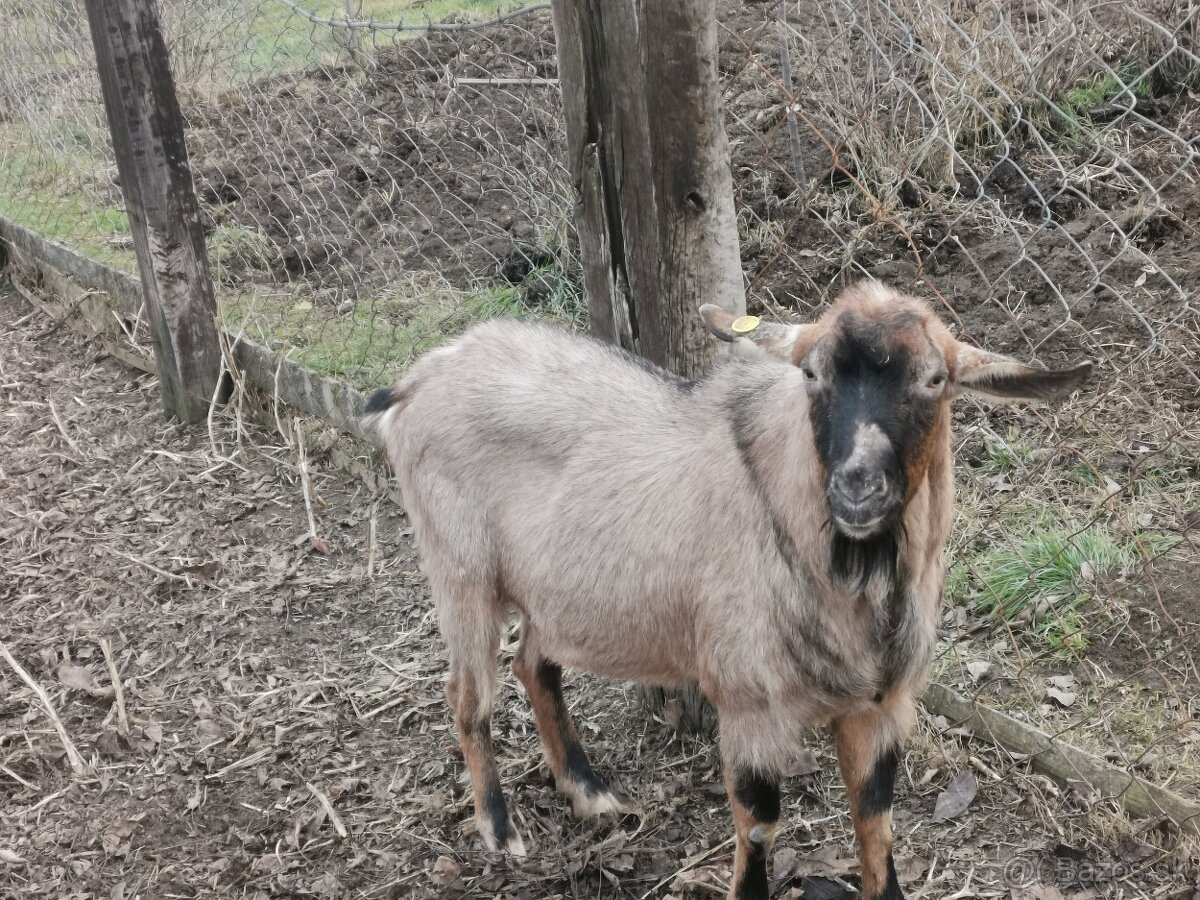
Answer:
(650, 160)
(152, 162)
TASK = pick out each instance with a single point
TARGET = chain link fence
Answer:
(1031, 168)
(377, 175)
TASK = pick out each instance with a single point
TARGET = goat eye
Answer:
(809, 374)
(937, 381)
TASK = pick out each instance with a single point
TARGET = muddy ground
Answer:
(282, 730)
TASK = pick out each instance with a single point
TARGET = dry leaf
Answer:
(445, 871)
(672, 713)
(1135, 852)
(805, 764)
(321, 545)
(824, 862)
(978, 669)
(10, 858)
(115, 838)
(80, 679)
(208, 731)
(910, 868)
(1036, 892)
(956, 797)
(824, 889)
(1062, 698)
(784, 863)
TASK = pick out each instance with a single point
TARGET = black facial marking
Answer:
(870, 377)
(855, 562)
(577, 767)
(754, 884)
(759, 793)
(879, 789)
(868, 385)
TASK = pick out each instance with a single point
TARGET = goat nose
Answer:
(858, 485)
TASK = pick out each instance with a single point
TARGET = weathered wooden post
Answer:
(649, 157)
(650, 160)
(147, 135)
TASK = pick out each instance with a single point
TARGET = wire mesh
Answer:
(371, 186)
(1031, 169)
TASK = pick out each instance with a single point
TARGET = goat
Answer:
(773, 531)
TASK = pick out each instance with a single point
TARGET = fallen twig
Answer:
(688, 866)
(62, 429)
(153, 568)
(62, 319)
(78, 766)
(1063, 761)
(17, 778)
(115, 678)
(334, 819)
(318, 543)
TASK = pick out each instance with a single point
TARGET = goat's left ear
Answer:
(773, 339)
(1001, 378)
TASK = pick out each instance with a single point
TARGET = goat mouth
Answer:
(860, 530)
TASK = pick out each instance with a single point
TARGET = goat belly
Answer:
(612, 569)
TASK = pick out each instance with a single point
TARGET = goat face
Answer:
(880, 370)
(877, 401)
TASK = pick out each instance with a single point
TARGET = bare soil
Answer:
(357, 180)
(284, 733)
(1156, 646)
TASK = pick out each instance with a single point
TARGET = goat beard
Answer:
(872, 562)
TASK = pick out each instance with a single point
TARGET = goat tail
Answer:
(383, 406)
(382, 400)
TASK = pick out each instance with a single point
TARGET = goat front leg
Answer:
(754, 799)
(868, 747)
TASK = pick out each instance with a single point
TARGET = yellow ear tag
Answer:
(745, 324)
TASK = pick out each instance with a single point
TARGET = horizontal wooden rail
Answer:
(262, 367)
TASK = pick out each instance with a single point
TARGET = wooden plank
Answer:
(63, 259)
(1063, 761)
(147, 134)
(299, 386)
(262, 368)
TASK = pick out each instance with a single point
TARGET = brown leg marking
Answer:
(754, 799)
(573, 773)
(870, 775)
(474, 725)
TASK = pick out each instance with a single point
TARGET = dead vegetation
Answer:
(260, 713)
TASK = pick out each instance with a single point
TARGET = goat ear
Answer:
(771, 338)
(1003, 379)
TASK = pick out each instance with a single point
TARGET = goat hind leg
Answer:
(573, 773)
(473, 635)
